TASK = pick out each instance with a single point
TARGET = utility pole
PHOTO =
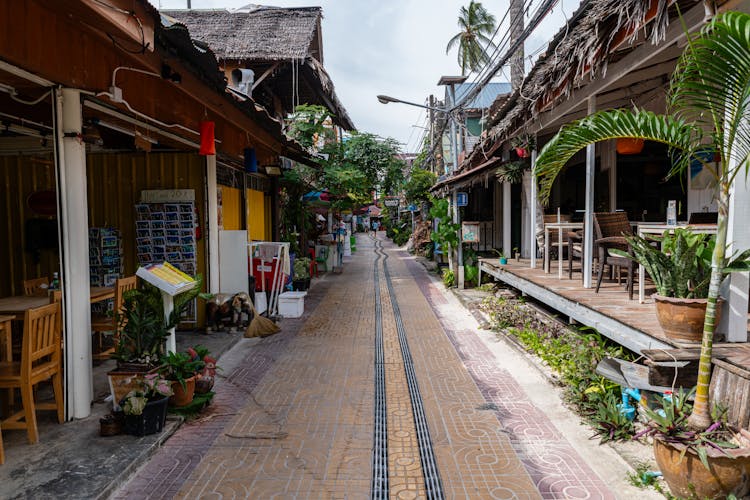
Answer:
(432, 132)
(516, 31)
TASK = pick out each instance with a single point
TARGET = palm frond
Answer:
(711, 83)
(678, 134)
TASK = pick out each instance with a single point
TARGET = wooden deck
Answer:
(625, 321)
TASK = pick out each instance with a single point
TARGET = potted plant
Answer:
(143, 330)
(204, 380)
(523, 144)
(681, 278)
(710, 463)
(181, 370)
(301, 279)
(517, 254)
(710, 74)
(512, 171)
(503, 259)
(145, 406)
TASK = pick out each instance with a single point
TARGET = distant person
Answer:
(375, 225)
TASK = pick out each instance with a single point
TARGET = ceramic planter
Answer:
(503, 261)
(182, 395)
(682, 319)
(687, 477)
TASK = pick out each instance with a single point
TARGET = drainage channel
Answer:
(430, 472)
(379, 486)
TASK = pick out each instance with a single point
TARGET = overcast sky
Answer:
(392, 47)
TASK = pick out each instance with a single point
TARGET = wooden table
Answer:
(650, 228)
(18, 304)
(561, 227)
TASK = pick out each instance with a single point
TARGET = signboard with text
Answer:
(462, 199)
(390, 202)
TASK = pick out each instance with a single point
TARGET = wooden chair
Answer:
(610, 230)
(36, 287)
(101, 324)
(40, 361)
(575, 250)
(313, 263)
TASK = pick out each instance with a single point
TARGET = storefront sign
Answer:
(167, 195)
(470, 232)
(391, 202)
(462, 199)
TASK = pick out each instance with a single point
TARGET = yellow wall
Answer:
(231, 208)
(256, 218)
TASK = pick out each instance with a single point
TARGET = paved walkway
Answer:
(294, 419)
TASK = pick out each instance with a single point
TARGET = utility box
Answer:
(292, 304)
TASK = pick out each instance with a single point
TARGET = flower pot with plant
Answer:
(301, 277)
(145, 407)
(502, 258)
(523, 145)
(516, 254)
(204, 380)
(710, 74)
(181, 370)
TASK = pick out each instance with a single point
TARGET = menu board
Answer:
(166, 277)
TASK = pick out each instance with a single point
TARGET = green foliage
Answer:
(471, 275)
(572, 354)
(306, 124)
(449, 278)
(610, 424)
(473, 43)
(301, 268)
(446, 234)
(670, 425)
(417, 186)
(143, 328)
(179, 366)
(512, 171)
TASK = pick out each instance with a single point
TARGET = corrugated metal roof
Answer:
(486, 96)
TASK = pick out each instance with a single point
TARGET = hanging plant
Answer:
(511, 172)
(629, 146)
(523, 144)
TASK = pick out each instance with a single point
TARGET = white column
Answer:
(588, 221)
(738, 239)
(213, 224)
(74, 229)
(460, 249)
(507, 240)
(532, 211)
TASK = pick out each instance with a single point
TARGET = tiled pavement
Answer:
(295, 419)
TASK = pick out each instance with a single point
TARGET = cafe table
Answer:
(5, 332)
(17, 305)
(645, 228)
(561, 227)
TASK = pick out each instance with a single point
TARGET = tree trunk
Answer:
(516, 30)
(700, 418)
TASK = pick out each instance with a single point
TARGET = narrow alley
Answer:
(306, 414)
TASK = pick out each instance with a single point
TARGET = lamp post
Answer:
(384, 99)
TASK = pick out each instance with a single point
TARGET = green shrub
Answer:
(449, 278)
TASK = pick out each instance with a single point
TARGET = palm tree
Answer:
(475, 23)
(709, 99)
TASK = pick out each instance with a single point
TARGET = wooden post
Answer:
(533, 202)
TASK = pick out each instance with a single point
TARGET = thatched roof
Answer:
(260, 33)
(579, 52)
(258, 37)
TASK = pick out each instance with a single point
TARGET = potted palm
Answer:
(708, 91)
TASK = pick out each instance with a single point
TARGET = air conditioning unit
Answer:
(242, 80)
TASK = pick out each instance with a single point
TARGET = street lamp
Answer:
(451, 81)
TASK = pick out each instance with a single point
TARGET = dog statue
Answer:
(223, 308)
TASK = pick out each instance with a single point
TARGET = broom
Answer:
(260, 326)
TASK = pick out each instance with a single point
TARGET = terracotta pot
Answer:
(629, 146)
(687, 477)
(182, 395)
(682, 319)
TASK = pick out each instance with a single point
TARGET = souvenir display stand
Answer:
(171, 281)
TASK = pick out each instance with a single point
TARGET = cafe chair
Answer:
(703, 218)
(313, 263)
(610, 230)
(36, 287)
(102, 324)
(40, 361)
(575, 250)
